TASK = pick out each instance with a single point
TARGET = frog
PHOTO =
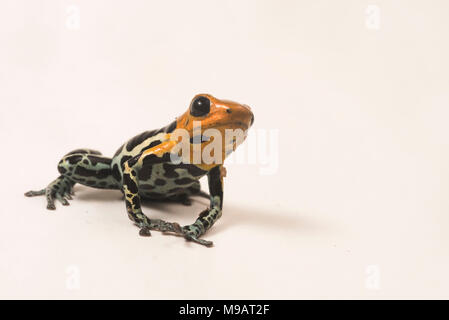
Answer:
(153, 166)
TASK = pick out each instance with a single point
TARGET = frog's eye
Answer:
(200, 106)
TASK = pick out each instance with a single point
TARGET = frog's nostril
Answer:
(252, 120)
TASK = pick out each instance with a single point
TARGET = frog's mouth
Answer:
(234, 125)
(242, 125)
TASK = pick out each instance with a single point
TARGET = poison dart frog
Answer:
(153, 165)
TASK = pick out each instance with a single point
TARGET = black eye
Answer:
(200, 107)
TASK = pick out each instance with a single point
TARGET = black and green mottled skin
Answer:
(156, 179)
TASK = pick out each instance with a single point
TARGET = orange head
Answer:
(213, 113)
(208, 112)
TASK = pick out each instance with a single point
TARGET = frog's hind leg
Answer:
(60, 188)
(90, 169)
(83, 166)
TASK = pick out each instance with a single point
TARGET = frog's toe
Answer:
(164, 226)
(32, 193)
(145, 232)
(51, 206)
(158, 225)
(172, 227)
(47, 193)
(50, 203)
(68, 194)
(193, 233)
(62, 199)
(60, 189)
(203, 242)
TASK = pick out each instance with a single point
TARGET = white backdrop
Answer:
(358, 206)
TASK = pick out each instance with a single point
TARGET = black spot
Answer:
(133, 173)
(204, 213)
(74, 159)
(192, 169)
(91, 182)
(62, 170)
(116, 172)
(139, 139)
(152, 144)
(153, 159)
(184, 181)
(127, 181)
(171, 127)
(196, 139)
(100, 174)
(136, 203)
(102, 183)
(85, 161)
(146, 186)
(205, 223)
(103, 173)
(170, 170)
(81, 171)
(160, 182)
(95, 159)
(199, 139)
(133, 161)
(145, 173)
(123, 160)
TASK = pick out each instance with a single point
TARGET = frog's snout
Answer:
(251, 113)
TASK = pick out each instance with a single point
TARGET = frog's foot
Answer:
(60, 189)
(35, 193)
(158, 225)
(191, 237)
(192, 232)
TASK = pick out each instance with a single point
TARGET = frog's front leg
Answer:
(131, 169)
(209, 216)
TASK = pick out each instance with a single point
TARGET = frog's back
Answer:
(159, 180)
(138, 144)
